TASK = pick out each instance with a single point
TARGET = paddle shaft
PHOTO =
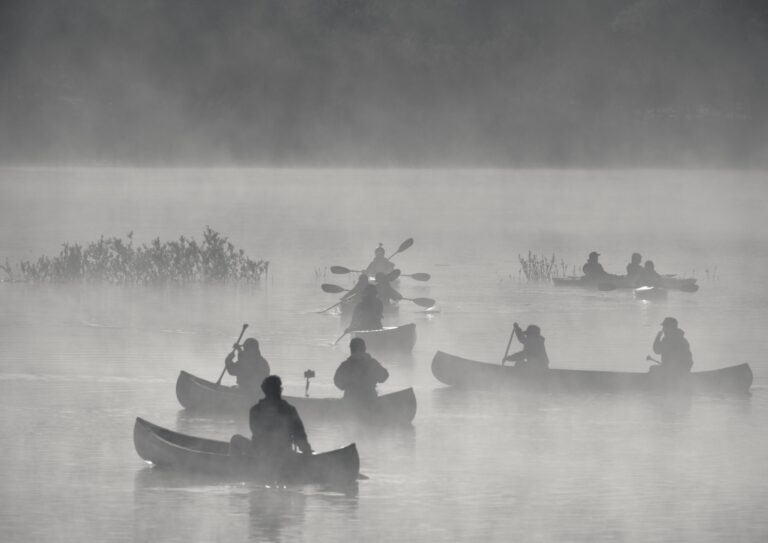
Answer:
(509, 344)
(218, 382)
(403, 246)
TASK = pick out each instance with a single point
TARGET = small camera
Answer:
(309, 374)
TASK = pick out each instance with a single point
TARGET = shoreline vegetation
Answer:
(117, 261)
(541, 268)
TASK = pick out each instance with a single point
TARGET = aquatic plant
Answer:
(541, 268)
(114, 260)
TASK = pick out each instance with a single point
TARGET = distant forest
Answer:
(589, 83)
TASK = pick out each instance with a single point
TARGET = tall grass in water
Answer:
(114, 260)
(541, 268)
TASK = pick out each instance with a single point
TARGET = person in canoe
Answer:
(368, 311)
(379, 264)
(359, 287)
(534, 354)
(250, 368)
(593, 269)
(275, 426)
(635, 267)
(385, 291)
(650, 277)
(675, 351)
(359, 374)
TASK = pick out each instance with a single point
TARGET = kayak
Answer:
(612, 282)
(650, 293)
(462, 372)
(197, 394)
(348, 307)
(388, 339)
(169, 449)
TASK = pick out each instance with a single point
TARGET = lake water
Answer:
(79, 363)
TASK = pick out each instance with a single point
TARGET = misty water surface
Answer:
(78, 363)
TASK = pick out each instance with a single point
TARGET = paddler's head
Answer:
(272, 387)
(668, 324)
(357, 345)
(636, 258)
(363, 279)
(251, 344)
(593, 256)
(533, 330)
(649, 265)
(379, 250)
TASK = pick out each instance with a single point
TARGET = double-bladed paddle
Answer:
(340, 270)
(336, 289)
(234, 347)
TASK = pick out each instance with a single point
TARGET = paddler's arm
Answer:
(299, 434)
(230, 364)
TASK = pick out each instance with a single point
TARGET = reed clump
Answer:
(536, 267)
(114, 260)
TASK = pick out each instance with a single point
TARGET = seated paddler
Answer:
(592, 268)
(359, 374)
(534, 354)
(358, 289)
(275, 425)
(368, 312)
(380, 263)
(635, 267)
(675, 351)
(251, 368)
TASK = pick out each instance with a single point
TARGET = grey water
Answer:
(79, 362)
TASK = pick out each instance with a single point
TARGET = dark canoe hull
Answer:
(622, 282)
(389, 339)
(461, 372)
(169, 449)
(200, 395)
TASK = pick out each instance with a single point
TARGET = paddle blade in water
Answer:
(340, 269)
(424, 302)
(332, 289)
(420, 276)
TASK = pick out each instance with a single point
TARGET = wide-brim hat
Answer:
(672, 321)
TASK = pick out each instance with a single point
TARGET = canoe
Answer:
(197, 394)
(612, 282)
(650, 293)
(389, 339)
(462, 372)
(169, 449)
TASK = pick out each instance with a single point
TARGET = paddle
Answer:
(333, 289)
(649, 357)
(309, 374)
(509, 343)
(417, 276)
(234, 347)
(347, 331)
(339, 270)
(403, 246)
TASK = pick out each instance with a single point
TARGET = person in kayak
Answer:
(675, 351)
(359, 287)
(275, 426)
(650, 277)
(593, 269)
(368, 311)
(386, 293)
(379, 264)
(534, 354)
(635, 267)
(250, 368)
(359, 374)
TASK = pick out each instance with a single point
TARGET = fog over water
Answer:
(79, 362)
(309, 131)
